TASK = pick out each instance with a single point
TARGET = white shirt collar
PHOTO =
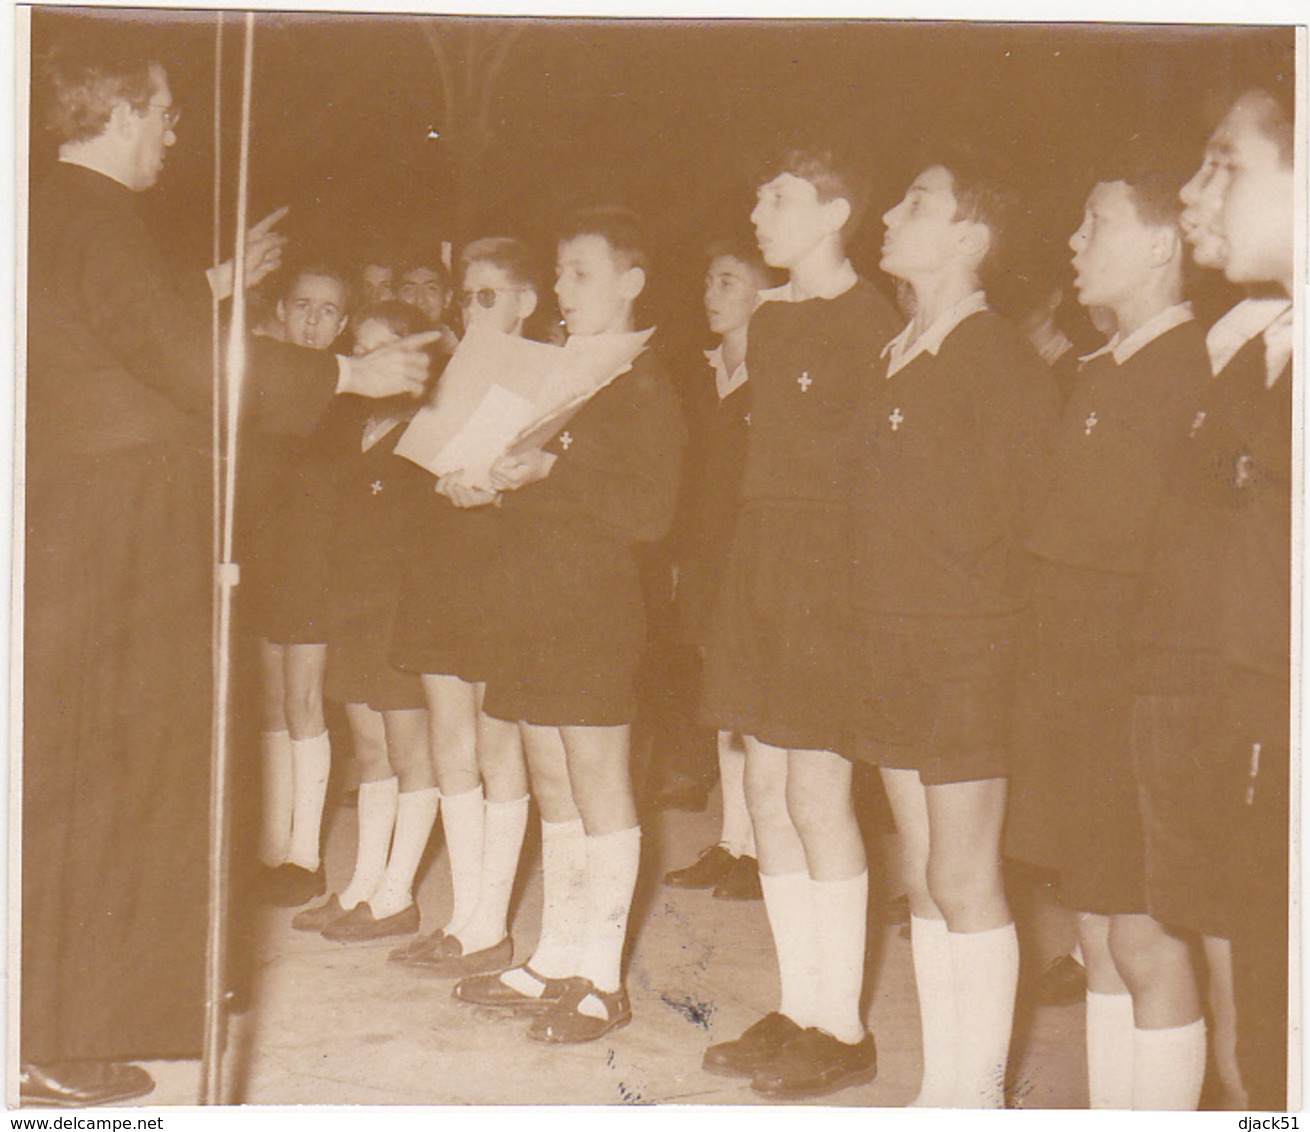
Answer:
(1124, 348)
(842, 281)
(726, 383)
(899, 356)
(1055, 347)
(1249, 318)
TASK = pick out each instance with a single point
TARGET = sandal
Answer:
(564, 1024)
(492, 990)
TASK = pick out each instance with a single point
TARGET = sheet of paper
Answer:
(499, 417)
(482, 360)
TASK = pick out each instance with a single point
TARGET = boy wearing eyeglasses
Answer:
(442, 635)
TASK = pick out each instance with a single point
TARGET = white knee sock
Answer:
(612, 862)
(985, 972)
(416, 812)
(462, 817)
(788, 900)
(311, 762)
(1109, 1050)
(563, 905)
(275, 813)
(738, 833)
(841, 911)
(503, 827)
(1169, 1067)
(934, 980)
(377, 818)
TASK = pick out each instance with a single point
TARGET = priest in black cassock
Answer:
(118, 576)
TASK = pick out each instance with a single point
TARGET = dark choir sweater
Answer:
(1113, 444)
(370, 497)
(811, 365)
(957, 456)
(1218, 587)
(617, 461)
(711, 488)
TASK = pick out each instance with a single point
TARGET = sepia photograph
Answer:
(602, 561)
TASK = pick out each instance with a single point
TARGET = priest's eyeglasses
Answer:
(169, 113)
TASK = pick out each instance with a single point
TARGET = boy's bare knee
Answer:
(962, 889)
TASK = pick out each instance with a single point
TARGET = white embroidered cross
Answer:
(1091, 422)
(377, 486)
(805, 381)
(1197, 422)
(565, 440)
(896, 418)
(747, 418)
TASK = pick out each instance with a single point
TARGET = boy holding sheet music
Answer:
(442, 635)
(565, 593)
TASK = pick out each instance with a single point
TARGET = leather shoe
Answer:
(564, 1024)
(359, 924)
(742, 881)
(79, 1084)
(1063, 983)
(316, 919)
(760, 1045)
(708, 870)
(289, 886)
(418, 948)
(451, 962)
(491, 990)
(815, 1064)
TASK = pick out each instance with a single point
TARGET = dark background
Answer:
(671, 118)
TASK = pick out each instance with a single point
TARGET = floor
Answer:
(332, 1024)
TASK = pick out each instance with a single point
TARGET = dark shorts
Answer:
(1073, 800)
(287, 573)
(780, 662)
(1212, 805)
(937, 697)
(358, 671)
(570, 621)
(443, 627)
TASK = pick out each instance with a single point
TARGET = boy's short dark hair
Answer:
(984, 195)
(1154, 171)
(297, 271)
(743, 251)
(833, 173)
(511, 255)
(620, 227)
(87, 74)
(376, 256)
(424, 257)
(1276, 116)
(401, 318)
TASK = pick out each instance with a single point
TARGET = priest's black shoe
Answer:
(81, 1084)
